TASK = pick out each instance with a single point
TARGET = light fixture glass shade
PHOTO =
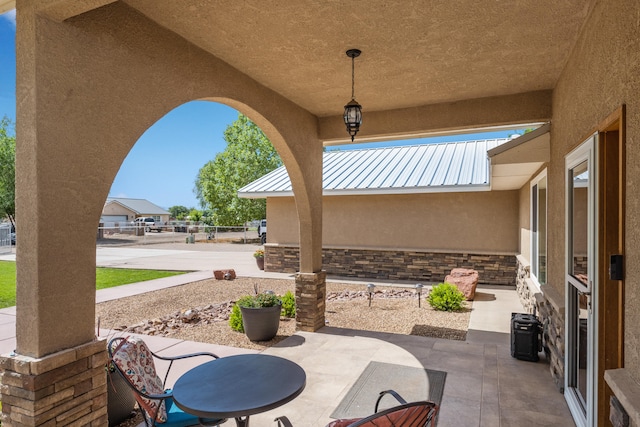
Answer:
(353, 117)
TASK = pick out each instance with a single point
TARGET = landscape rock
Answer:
(466, 280)
(224, 274)
(212, 313)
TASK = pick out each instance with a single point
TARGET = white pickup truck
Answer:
(148, 223)
(262, 231)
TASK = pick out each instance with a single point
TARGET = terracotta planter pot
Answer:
(261, 324)
(260, 262)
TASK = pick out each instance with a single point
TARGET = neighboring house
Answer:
(408, 212)
(121, 210)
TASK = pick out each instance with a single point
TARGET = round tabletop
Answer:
(238, 386)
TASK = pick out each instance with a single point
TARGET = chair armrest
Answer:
(392, 393)
(162, 396)
(172, 359)
(283, 422)
(184, 356)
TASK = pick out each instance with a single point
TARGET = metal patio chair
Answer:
(133, 360)
(407, 414)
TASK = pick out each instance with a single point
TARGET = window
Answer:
(539, 228)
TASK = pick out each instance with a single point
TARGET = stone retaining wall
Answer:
(65, 388)
(397, 265)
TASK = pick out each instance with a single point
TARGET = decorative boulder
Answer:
(224, 274)
(465, 280)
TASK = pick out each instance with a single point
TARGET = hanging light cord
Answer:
(353, 77)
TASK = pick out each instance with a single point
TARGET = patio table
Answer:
(239, 386)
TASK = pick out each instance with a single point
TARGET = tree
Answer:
(7, 171)
(248, 156)
(195, 215)
(178, 211)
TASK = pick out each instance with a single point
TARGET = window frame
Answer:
(534, 234)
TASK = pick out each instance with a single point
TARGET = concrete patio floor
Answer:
(485, 386)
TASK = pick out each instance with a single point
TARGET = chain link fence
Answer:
(5, 239)
(174, 232)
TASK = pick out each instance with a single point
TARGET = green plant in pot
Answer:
(258, 315)
(259, 256)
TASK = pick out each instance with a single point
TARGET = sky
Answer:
(163, 164)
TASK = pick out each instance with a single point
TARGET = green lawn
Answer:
(105, 278)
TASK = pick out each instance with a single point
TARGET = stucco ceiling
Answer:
(414, 52)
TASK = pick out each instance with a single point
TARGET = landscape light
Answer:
(419, 287)
(370, 289)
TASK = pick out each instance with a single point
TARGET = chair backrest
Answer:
(133, 359)
(413, 414)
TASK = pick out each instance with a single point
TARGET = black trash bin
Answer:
(526, 336)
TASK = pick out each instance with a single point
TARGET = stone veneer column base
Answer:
(68, 387)
(550, 311)
(311, 297)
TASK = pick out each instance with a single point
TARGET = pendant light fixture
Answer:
(353, 110)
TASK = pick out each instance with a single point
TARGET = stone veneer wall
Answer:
(550, 310)
(69, 387)
(397, 265)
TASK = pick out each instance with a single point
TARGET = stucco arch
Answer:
(103, 78)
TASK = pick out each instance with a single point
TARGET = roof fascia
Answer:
(380, 191)
(519, 141)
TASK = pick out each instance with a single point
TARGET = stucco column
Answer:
(55, 180)
(311, 287)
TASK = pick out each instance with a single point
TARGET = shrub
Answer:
(288, 305)
(446, 297)
(235, 319)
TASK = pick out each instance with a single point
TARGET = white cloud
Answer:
(10, 16)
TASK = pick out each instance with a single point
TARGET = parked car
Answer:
(148, 223)
(262, 231)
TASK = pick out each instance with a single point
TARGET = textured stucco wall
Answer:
(482, 222)
(87, 89)
(602, 73)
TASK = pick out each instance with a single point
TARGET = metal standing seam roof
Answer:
(443, 167)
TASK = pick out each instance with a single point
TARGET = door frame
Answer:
(608, 299)
(611, 237)
(584, 413)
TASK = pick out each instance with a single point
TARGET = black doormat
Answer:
(413, 384)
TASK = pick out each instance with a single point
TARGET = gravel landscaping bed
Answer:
(199, 311)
